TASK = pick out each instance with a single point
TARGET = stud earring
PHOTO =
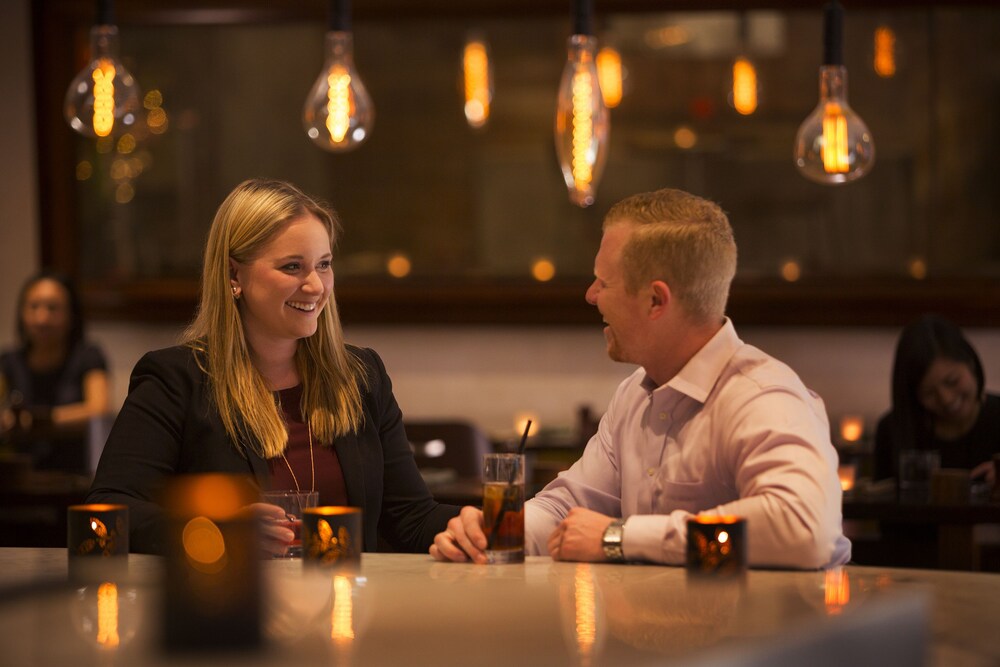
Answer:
(236, 292)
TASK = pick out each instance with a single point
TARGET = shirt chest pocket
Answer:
(680, 496)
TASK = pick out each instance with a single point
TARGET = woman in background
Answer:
(939, 402)
(54, 382)
(264, 385)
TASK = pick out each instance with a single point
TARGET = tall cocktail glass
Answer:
(503, 507)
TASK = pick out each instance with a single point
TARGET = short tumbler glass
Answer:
(294, 503)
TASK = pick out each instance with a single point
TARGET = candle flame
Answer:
(851, 428)
(847, 474)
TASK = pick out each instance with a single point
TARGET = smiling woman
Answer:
(939, 402)
(264, 385)
(284, 287)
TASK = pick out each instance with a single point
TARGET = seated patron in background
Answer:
(939, 402)
(264, 385)
(708, 424)
(54, 382)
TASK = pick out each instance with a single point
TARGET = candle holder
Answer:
(332, 537)
(213, 587)
(716, 546)
(847, 473)
(96, 541)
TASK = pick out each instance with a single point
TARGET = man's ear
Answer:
(660, 298)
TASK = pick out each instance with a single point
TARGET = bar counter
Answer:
(408, 609)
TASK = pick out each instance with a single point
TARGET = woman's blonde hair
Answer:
(332, 378)
(683, 240)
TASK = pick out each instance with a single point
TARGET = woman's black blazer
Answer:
(169, 425)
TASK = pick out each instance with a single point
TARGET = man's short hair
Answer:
(683, 240)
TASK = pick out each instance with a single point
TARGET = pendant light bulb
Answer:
(884, 59)
(582, 120)
(744, 90)
(611, 75)
(833, 144)
(477, 71)
(339, 114)
(103, 99)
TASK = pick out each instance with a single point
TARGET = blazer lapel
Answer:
(259, 468)
(352, 465)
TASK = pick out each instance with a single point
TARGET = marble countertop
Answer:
(407, 609)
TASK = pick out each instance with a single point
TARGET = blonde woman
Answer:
(264, 384)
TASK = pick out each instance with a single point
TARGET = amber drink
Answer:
(503, 507)
(294, 503)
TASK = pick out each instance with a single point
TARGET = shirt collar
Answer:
(702, 371)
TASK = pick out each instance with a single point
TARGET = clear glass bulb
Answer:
(104, 98)
(582, 122)
(833, 144)
(478, 81)
(339, 114)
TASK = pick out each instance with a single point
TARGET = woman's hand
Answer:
(275, 538)
(464, 538)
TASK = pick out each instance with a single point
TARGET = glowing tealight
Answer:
(852, 428)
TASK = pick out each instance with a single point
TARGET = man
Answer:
(707, 424)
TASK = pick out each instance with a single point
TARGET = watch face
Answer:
(612, 542)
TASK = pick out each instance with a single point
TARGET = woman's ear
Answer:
(234, 281)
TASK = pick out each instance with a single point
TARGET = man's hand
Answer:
(579, 536)
(463, 540)
(985, 470)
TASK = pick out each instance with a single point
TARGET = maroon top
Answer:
(329, 476)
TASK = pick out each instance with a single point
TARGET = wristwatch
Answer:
(612, 541)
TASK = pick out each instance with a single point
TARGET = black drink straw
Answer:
(510, 481)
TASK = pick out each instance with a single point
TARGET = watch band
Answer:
(612, 541)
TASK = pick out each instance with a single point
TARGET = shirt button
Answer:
(651, 472)
(663, 416)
